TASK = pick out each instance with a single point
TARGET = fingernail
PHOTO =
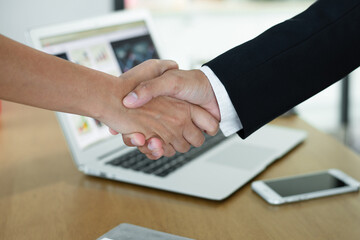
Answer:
(133, 142)
(131, 98)
(151, 146)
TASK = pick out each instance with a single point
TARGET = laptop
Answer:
(114, 43)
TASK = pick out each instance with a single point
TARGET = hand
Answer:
(191, 86)
(68, 87)
(176, 124)
(142, 72)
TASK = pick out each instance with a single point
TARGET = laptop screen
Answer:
(114, 49)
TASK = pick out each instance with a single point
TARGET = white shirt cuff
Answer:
(230, 122)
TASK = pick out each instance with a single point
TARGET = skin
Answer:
(191, 86)
(30, 77)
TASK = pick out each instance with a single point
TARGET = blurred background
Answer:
(195, 31)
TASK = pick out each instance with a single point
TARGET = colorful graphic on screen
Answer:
(100, 54)
(131, 52)
(82, 124)
(80, 56)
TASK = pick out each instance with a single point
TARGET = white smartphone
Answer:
(303, 187)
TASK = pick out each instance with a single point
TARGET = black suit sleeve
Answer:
(291, 61)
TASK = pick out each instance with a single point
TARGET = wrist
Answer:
(108, 101)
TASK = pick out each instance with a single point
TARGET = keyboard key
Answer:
(162, 167)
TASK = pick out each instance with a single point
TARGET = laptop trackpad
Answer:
(246, 157)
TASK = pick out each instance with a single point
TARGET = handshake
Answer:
(157, 107)
(162, 109)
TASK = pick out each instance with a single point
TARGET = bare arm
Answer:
(34, 78)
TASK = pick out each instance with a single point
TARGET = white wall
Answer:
(16, 16)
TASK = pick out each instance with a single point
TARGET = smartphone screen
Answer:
(305, 184)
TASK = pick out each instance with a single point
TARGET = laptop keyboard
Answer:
(162, 167)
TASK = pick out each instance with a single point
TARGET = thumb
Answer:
(147, 90)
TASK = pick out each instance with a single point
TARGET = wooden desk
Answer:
(43, 196)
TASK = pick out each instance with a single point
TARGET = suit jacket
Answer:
(291, 61)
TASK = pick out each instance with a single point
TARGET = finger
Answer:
(154, 144)
(175, 140)
(148, 70)
(147, 152)
(113, 132)
(158, 148)
(166, 150)
(169, 150)
(151, 157)
(193, 135)
(204, 120)
(134, 139)
(181, 145)
(165, 85)
(153, 148)
(144, 149)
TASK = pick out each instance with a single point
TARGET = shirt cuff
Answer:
(230, 122)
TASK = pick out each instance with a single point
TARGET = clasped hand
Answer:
(166, 109)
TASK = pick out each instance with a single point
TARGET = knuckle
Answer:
(176, 83)
(176, 121)
(173, 81)
(176, 65)
(144, 88)
(152, 62)
(157, 65)
(147, 63)
(143, 85)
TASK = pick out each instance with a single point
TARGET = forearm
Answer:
(34, 78)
